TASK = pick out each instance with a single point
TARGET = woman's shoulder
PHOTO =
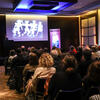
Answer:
(52, 68)
(45, 68)
(27, 65)
(38, 69)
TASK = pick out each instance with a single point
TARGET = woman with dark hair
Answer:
(28, 71)
(31, 66)
(83, 66)
(91, 81)
(33, 62)
(67, 80)
(8, 61)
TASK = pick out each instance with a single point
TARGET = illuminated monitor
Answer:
(26, 28)
(55, 38)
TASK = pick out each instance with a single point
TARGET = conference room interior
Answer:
(76, 23)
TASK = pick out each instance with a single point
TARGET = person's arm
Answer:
(31, 82)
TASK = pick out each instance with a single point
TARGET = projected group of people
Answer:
(28, 28)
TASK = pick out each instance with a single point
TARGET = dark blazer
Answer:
(64, 81)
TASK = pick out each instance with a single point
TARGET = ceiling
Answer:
(7, 6)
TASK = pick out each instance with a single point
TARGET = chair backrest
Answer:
(69, 95)
(40, 85)
(40, 89)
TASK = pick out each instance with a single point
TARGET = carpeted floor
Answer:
(5, 92)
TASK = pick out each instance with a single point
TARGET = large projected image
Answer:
(24, 28)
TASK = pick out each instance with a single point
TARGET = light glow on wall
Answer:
(98, 26)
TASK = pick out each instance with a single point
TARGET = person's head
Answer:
(22, 48)
(70, 62)
(12, 52)
(86, 47)
(54, 52)
(33, 59)
(59, 51)
(93, 48)
(54, 47)
(87, 54)
(71, 48)
(98, 48)
(18, 51)
(45, 50)
(94, 72)
(46, 60)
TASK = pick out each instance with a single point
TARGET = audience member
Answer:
(18, 64)
(45, 70)
(79, 55)
(12, 55)
(86, 48)
(63, 80)
(72, 50)
(32, 49)
(82, 68)
(29, 70)
(31, 66)
(91, 81)
(56, 54)
(8, 61)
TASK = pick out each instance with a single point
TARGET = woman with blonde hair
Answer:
(44, 70)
